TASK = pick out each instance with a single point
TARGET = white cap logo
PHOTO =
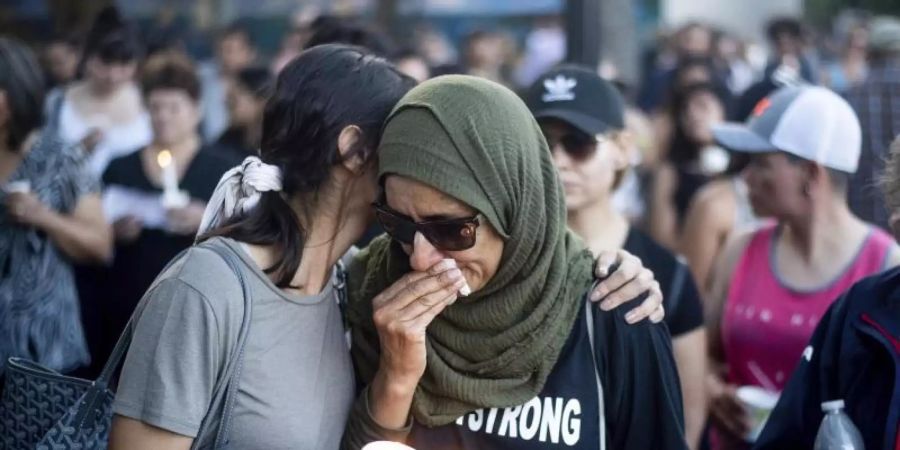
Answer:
(559, 89)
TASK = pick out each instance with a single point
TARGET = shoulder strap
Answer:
(55, 103)
(226, 387)
(589, 318)
(678, 279)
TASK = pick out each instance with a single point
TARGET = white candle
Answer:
(172, 196)
(169, 172)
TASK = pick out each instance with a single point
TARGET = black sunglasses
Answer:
(450, 235)
(580, 146)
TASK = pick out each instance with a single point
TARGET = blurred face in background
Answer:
(702, 111)
(105, 77)
(415, 67)
(589, 166)
(858, 39)
(788, 45)
(695, 40)
(244, 108)
(728, 48)
(235, 53)
(486, 50)
(174, 115)
(776, 185)
(61, 60)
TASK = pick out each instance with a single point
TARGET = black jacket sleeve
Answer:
(796, 418)
(641, 391)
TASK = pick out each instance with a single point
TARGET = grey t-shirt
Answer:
(297, 384)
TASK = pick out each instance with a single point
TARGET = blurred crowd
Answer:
(95, 129)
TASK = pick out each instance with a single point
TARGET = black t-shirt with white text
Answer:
(627, 395)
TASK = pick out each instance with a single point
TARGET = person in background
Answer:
(294, 40)
(103, 109)
(413, 64)
(545, 46)
(720, 211)
(729, 56)
(246, 101)
(440, 54)
(235, 51)
(147, 235)
(590, 146)
(788, 41)
(50, 218)
(877, 103)
(60, 60)
(690, 42)
(341, 30)
(484, 55)
(692, 160)
(850, 352)
(691, 71)
(773, 285)
(292, 43)
(851, 69)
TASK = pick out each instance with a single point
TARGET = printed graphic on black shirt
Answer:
(566, 414)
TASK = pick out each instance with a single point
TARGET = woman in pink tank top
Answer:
(767, 322)
(772, 286)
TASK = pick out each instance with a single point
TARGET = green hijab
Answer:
(476, 141)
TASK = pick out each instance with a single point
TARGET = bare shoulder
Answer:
(714, 203)
(716, 192)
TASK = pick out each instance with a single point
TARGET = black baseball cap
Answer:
(578, 96)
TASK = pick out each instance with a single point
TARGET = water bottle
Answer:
(837, 432)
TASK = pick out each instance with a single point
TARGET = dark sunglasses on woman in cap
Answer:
(450, 235)
(579, 146)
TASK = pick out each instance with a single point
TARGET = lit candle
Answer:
(172, 196)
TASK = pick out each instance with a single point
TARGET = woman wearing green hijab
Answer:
(525, 361)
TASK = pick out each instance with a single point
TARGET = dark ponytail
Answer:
(322, 91)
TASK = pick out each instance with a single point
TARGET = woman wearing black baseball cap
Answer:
(582, 117)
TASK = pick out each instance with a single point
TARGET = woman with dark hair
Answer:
(103, 109)
(287, 217)
(246, 101)
(148, 233)
(720, 210)
(50, 217)
(692, 159)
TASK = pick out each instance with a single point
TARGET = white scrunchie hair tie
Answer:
(239, 191)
